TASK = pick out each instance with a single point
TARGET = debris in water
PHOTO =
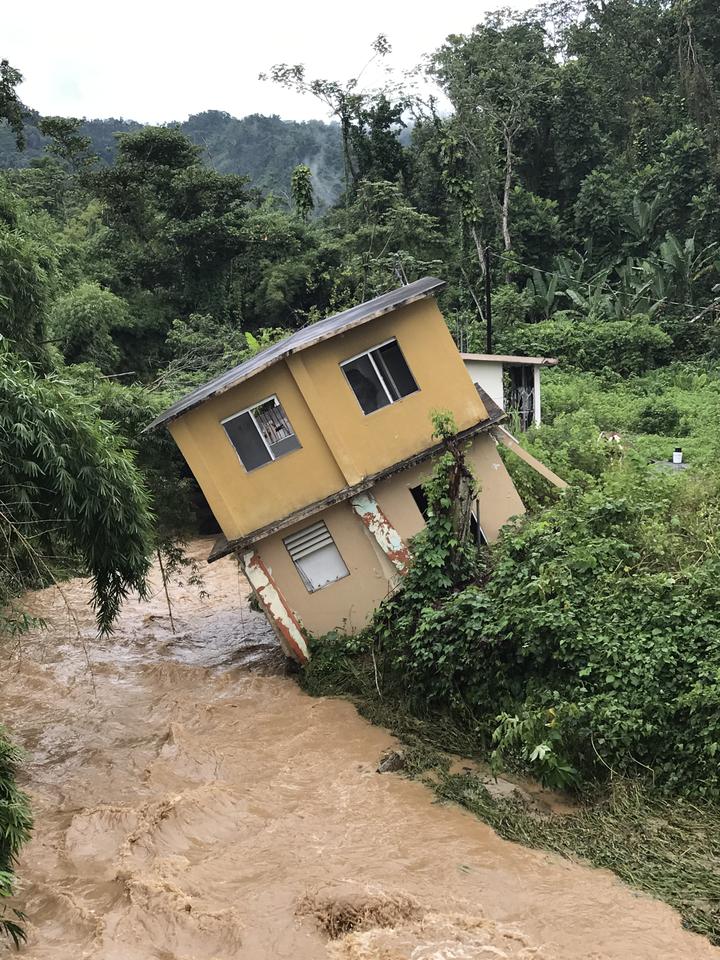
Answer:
(339, 915)
(438, 936)
(391, 761)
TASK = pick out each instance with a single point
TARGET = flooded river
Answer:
(193, 804)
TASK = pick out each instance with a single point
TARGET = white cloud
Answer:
(159, 60)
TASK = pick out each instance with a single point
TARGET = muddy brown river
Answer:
(193, 804)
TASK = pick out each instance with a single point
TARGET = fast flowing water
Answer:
(193, 804)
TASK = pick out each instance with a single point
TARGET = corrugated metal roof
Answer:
(508, 358)
(301, 340)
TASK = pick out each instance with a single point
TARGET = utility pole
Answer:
(488, 300)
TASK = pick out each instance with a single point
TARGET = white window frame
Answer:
(273, 458)
(369, 354)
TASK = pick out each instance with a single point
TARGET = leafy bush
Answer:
(68, 488)
(588, 643)
(15, 826)
(625, 346)
(660, 415)
(84, 321)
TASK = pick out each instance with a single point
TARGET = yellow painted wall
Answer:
(378, 440)
(243, 501)
(340, 444)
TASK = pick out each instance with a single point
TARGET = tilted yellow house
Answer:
(312, 454)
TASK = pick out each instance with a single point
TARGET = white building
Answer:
(512, 382)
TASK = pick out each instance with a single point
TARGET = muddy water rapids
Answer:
(193, 804)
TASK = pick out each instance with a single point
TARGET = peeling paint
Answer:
(391, 543)
(284, 621)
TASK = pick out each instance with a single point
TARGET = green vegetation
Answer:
(15, 825)
(266, 149)
(582, 152)
(581, 650)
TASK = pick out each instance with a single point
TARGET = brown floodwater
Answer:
(193, 804)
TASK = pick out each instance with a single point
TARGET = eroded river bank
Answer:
(192, 803)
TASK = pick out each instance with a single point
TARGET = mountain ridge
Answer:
(264, 148)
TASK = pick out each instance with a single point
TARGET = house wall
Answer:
(499, 500)
(350, 602)
(490, 377)
(347, 603)
(243, 501)
(367, 444)
(340, 444)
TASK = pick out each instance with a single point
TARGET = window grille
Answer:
(261, 434)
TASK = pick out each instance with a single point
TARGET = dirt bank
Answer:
(193, 804)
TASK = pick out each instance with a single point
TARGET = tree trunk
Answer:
(506, 192)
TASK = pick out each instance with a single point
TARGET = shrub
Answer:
(660, 415)
(15, 826)
(85, 320)
(625, 346)
(585, 645)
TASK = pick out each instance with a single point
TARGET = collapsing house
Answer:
(312, 456)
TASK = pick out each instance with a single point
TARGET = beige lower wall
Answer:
(499, 500)
(348, 603)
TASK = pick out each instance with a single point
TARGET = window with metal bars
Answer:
(380, 376)
(315, 556)
(261, 433)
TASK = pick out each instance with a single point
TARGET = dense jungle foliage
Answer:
(582, 150)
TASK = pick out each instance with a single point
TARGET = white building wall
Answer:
(489, 374)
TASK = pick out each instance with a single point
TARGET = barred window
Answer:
(261, 433)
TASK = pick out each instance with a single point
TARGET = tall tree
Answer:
(11, 109)
(499, 79)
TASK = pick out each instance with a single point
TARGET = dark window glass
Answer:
(476, 531)
(261, 434)
(380, 377)
(395, 372)
(421, 500)
(247, 441)
(366, 384)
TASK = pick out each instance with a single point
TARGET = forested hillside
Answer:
(265, 149)
(582, 152)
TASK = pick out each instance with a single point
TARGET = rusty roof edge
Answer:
(171, 414)
(221, 549)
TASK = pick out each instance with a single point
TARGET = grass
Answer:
(667, 847)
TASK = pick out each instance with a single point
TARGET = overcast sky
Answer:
(160, 60)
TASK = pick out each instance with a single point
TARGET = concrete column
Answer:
(536, 391)
(391, 543)
(282, 618)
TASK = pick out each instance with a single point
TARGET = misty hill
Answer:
(266, 149)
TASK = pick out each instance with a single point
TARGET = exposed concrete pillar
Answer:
(281, 616)
(391, 543)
